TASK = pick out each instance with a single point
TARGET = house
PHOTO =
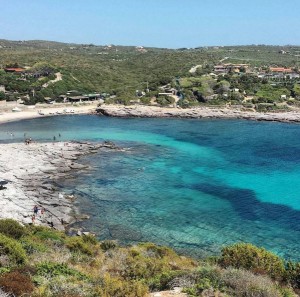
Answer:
(229, 67)
(220, 69)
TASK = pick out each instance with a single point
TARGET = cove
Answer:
(194, 185)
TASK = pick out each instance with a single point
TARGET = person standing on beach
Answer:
(33, 219)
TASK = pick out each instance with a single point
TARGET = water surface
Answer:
(195, 185)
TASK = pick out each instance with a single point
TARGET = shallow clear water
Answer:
(195, 185)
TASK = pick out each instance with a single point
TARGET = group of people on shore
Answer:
(36, 212)
(40, 211)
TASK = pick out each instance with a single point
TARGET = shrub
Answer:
(250, 257)
(90, 239)
(32, 245)
(12, 228)
(108, 245)
(50, 269)
(49, 234)
(13, 249)
(292, 274)
(116, 287)
(171, 279)
(244, 283)
(156, 251)
(207, 277)
(77, 244)
(16, 283)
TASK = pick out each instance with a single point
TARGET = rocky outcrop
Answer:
(34, 172)
(195, 113)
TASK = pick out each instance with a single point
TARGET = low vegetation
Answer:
(41, 262)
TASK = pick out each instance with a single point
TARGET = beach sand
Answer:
(7, 115)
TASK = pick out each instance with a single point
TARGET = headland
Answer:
(196, 113)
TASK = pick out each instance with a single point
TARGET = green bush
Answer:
(116, 287)
(49, 234)
(156, 250)
(13, 249)
(108, 245)
(77, 244)
(90, 239)
(51, 269)
(255, 259)
(292, 274)
(12, 228)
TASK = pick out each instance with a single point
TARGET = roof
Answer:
(77, 97)
(14, 69)
(280, 69)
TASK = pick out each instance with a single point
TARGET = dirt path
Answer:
(58, 78)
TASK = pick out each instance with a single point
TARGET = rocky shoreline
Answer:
(196, 113)
(34, 172)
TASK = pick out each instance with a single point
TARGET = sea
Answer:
(195, 185)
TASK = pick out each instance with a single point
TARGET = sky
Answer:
(155, 23)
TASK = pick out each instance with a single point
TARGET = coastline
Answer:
(6, 115)
(145, 111)
(33, 172)
(196, 113)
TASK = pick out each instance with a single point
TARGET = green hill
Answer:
(121, 70)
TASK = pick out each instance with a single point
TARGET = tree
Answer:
(2, 96)
(296, 91)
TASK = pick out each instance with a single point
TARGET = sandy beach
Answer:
(28, 112)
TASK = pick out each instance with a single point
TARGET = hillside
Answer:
(121, 70)
(41, 262)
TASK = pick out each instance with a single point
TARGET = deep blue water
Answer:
(195, 185)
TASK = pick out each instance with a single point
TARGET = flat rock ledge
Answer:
(34, 172)
(195, 113)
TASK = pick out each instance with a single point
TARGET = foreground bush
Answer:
(78, 244)
(16, 283)
(50, 269)
(12, 228)
(116, 287)
(246, 284)
(292, 274)
(250, 257)
(13, 250)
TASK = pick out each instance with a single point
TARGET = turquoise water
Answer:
(195, 185)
